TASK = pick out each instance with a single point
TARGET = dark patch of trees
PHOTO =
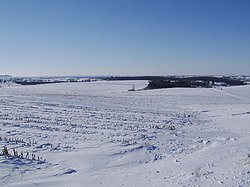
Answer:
(47, 81)
(185, 82)
(157, 84)
(193, 82)
(229, 81)
(35, 82)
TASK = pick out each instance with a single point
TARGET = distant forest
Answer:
(156, 82)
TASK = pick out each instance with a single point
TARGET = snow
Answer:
(101, 134)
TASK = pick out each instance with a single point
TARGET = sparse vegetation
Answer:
(7, 153)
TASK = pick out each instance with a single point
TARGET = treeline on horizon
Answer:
(156, 82)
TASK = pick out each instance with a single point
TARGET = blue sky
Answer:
(124, 37)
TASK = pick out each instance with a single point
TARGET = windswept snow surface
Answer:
(100, 134)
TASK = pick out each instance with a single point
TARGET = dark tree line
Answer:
(186, 82)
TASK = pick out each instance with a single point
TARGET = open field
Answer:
(100, 134)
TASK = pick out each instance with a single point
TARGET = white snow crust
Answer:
(101, 134)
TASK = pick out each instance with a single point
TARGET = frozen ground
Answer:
(99, 134)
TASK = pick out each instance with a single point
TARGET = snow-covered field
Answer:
(100, 134)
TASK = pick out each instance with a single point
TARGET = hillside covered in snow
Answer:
(100, 134)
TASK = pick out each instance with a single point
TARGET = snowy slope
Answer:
(100, 134)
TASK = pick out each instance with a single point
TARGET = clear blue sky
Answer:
(124, 37)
